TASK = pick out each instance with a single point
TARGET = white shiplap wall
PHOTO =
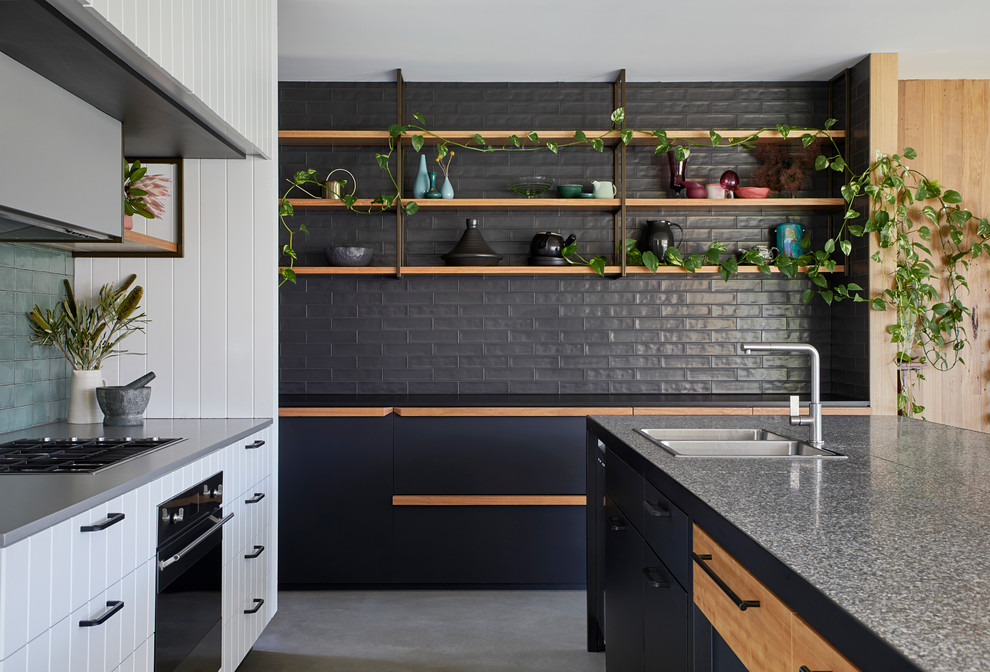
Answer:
(220, 50)
(212, 339)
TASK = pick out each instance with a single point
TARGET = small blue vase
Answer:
(422, 183)
(447, 190)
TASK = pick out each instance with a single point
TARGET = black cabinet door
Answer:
(624, 549)
(335, 500)
(497, 456)
(515, 545)
(665, 618)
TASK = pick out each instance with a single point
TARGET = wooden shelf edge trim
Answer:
(605, 204)
(380, 137)
(333, 412)
(489, 500)
(150, 241)
(692, 410)
(504, 412)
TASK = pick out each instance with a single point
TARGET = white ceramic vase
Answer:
(83, 407)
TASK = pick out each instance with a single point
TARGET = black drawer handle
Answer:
(656, 510)
(653, 578)
(258, 602)
(258, 496)
(115, 606)
(616, 524)
(804, 668)
(257, 444)
(112, 519)
(742, 604)
(258, 550)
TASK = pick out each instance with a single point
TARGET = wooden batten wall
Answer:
(948, 123)
(883, 137)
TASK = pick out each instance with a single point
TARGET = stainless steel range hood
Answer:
(61, 163)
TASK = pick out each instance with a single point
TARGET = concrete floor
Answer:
(426, 631)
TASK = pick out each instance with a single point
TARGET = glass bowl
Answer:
(530, 187)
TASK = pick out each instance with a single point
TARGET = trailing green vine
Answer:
(925, 239)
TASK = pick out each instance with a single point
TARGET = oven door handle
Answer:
(220, 522)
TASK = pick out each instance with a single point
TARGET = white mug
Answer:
(715, 190)
(603, 189)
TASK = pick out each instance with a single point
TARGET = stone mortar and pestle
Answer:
(123, 405)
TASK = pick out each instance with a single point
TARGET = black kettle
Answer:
(657, 237)
(547, 249)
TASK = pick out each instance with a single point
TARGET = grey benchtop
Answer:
(30, 503)
(897, 535)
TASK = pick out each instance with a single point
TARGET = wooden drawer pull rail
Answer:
(489, 500)
(742, 604)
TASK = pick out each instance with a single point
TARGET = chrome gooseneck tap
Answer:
(814, 420)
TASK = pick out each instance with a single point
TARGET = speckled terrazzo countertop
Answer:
(897, 535)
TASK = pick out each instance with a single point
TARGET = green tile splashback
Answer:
(34, 386)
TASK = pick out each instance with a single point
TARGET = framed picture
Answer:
(153, 197)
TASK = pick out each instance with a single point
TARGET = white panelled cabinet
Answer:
(80, 596)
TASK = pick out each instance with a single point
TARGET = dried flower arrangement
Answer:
(782, 170)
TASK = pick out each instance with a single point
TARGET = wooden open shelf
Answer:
(380, 138)
(588, 204)
(133, 244)
(513, 270)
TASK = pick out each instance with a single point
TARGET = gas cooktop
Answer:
(73, 455)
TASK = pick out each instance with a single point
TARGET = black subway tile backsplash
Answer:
(541, 334)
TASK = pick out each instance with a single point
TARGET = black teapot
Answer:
(547, 249)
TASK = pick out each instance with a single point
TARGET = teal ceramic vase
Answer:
(447, 190)
(422, 183)
(432, 192)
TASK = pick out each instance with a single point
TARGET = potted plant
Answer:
(87, 335)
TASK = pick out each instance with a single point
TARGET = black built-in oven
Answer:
(189, 601)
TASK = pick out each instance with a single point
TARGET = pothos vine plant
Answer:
(925, 238)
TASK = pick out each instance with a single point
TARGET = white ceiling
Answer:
(655, 40)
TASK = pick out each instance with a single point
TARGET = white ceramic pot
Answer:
(83, 407)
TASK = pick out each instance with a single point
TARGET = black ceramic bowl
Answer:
(348, 256)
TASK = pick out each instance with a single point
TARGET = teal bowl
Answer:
(569, 190)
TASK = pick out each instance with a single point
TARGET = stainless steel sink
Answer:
(733, 443)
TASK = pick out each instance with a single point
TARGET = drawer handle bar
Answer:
(258, 602)
(742, 604)
(258, 496)
(653, 578)
(804, 668)
(616, 524)
(257, 444)
(258, 550)
(112, 519)
(656, 510)
(220, 522)
(114, 607)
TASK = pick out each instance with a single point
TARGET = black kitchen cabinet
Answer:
(504, 545)
(345, 516)
(475, 542)
(335, 501)
(646, 608)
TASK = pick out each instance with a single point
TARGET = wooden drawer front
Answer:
(668, 533)
(624, 487)
(759, 636)
(490, 544)
(497, 456)
(812, 651)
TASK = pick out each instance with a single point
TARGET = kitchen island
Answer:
(886, 554)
